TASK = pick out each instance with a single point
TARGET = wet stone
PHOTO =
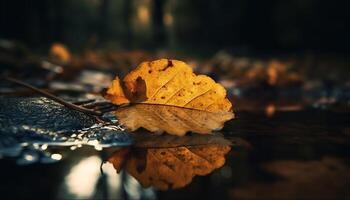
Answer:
(28, 121)
(20, 115)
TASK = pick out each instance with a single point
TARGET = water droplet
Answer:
(56, 156)
(44, 146)
(73, 148)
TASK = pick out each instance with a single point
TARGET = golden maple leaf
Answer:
(169, 82)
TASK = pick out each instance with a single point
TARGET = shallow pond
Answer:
(268, 152)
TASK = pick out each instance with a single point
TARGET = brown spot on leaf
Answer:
(170, 64)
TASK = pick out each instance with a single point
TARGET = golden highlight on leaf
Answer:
(115, 92)
(170, 82)
(171, 119)
(170, 168)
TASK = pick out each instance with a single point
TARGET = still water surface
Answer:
(270, 153)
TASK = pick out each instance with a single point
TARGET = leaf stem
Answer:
(55, 98)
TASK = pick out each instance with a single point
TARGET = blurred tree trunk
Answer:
(158, 23)
(258, 29)
(126, 15)
(104, 14)
(205, 19)
(58, 20)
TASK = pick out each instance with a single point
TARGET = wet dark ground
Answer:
(290, 139)
(296, 154)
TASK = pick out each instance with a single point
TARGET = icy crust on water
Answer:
(35, 123)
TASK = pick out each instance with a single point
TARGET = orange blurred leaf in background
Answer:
(59, 52)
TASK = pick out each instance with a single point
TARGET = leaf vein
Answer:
(197, 96)
(156, 92)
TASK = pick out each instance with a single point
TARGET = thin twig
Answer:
(55, 98)
(96, 104)
(84, 102)
(108, 109)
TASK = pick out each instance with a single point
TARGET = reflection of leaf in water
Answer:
(173, 162)
(170, 168)
(169, 82)
(171, 119)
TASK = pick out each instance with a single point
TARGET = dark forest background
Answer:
(270, 25)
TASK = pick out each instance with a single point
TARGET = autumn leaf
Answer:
(170, 97)
(169, 82)
(171, 119)
(170, 168)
